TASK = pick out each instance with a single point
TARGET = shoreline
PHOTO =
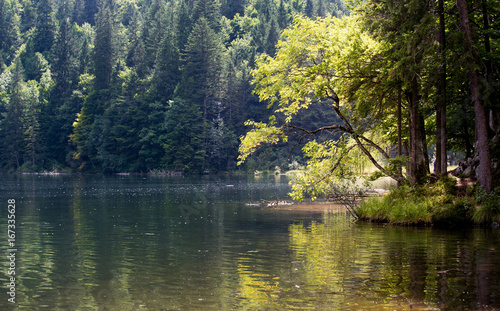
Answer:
(308, 207)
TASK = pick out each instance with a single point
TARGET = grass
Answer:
(433, 204)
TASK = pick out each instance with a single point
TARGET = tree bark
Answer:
(400, 141)
(418, 158)
(441, 164)
(483, 172)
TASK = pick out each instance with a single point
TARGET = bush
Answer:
(489, 207)
(455, 214)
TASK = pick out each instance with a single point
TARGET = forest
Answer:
(135, 86)
(150, 85)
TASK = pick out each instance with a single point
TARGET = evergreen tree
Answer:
(45, 33)
(201, 66)
(103, 50)
(31, 124)
(166, 75)
(210, 11)
(407, 26)
(9, 30)
(183, 142)
(28, 15)
(90, 11)
(283, 15)
(152, 30)
(12, 124)
(183, 23)
(484, 170)
(59, 114)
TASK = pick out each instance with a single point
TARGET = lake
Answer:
(192, 243)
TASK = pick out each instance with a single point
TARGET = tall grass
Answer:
(431, 204)
(400, 206)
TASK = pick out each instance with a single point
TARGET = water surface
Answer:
(154, 243)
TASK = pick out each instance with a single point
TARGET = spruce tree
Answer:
(46, 28)
(103, 50)
(12, 126)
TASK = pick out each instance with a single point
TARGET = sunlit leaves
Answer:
(261, 133)
(330, 61)
(316, 60)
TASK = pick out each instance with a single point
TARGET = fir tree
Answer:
(45, 27)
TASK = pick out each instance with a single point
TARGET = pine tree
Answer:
(407, 26)
(309, 9)
(283, 16)
(151, 33)
(91, 9)
(167, 75)
(58, 114)
(12, 125)
(183, 23)
(31, 124)
(208, 10)
(484, 170)
(183, 141)
(45, 33)
(103, 50)
(9, 30)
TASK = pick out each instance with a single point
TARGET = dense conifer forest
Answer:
(134, 86)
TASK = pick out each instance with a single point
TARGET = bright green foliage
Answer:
(316, 60)
(262, 133)
(323, 62)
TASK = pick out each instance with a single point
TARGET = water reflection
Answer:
(128, 243)
(364, 266)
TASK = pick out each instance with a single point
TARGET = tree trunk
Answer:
(441, 165)
(400, 141)
(418, 158)
(493, 98)
(483, 172)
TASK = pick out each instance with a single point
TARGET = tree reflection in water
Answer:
(340, 265)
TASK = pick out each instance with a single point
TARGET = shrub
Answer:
(489, 206)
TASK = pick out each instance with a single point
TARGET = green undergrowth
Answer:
(437, 204)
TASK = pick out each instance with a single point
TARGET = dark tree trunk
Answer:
(484, 170)
(493, 98)
(418, 158)
(441, 165)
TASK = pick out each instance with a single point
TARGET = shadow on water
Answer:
(133, 243)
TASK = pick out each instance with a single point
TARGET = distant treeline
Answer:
(136, 86)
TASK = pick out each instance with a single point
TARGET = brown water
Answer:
(151, 243)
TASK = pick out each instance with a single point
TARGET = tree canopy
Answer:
(379, 70)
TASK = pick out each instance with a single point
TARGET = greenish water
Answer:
(152, 243)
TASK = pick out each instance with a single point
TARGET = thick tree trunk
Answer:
(484, 170)
(418, 158)
(441, 165)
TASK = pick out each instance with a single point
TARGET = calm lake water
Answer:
(154, 243)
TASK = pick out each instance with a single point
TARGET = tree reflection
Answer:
(335, 264)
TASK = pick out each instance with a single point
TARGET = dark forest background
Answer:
(136, 86)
